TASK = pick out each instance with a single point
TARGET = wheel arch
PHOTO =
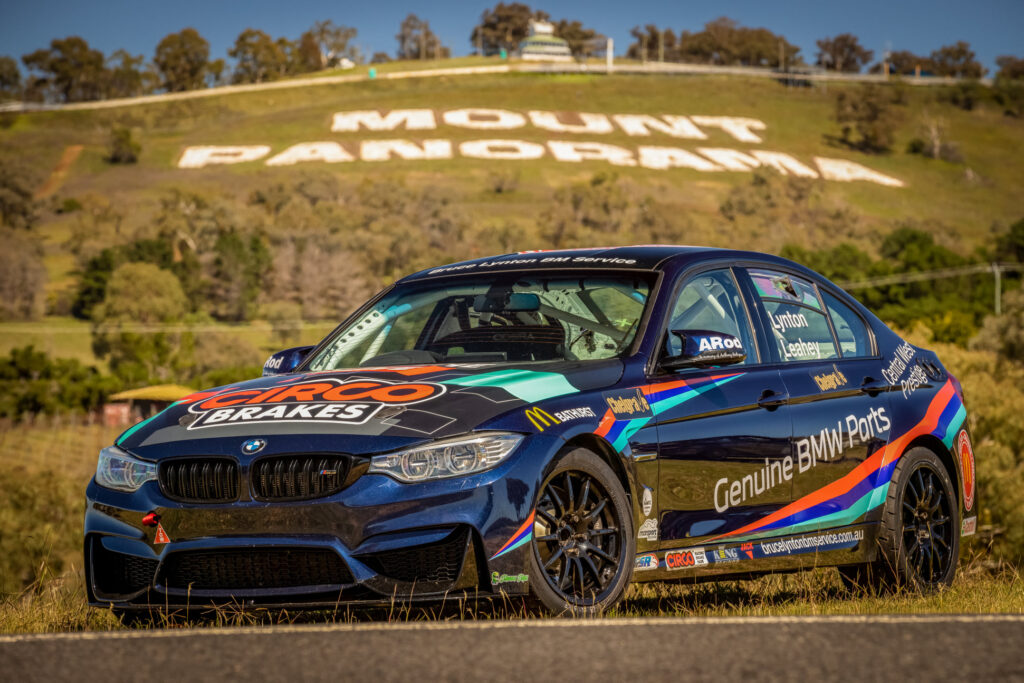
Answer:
(935, 445)
(594, 443)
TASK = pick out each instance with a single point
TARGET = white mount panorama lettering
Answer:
(704, 159)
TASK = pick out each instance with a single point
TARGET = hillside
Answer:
(543, 191)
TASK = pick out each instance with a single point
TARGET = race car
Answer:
(549, 426)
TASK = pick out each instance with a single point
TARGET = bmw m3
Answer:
(551, 425)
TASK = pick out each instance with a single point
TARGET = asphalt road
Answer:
(931, 648)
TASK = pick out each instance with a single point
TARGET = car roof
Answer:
(636, 257)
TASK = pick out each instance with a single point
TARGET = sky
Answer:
(992, 27)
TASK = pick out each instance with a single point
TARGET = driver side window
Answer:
(711, 301)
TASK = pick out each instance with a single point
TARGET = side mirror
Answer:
(283, 362)
(703, 348)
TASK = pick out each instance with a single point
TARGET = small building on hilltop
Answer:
(543, 45)
(133, 405)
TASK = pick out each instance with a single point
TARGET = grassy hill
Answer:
(962, 204)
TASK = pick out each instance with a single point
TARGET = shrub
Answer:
(123, 149)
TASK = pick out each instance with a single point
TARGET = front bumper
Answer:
(374, 542)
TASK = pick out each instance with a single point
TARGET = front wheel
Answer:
(581, 557)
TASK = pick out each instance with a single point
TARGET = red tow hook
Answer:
(152, 519)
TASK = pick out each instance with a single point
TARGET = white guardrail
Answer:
(806, 74)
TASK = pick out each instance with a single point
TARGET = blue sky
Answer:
(993, 27)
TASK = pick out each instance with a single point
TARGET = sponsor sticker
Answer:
(628, 405)
(966, 453)
(724, 555)
(649, 530)
(644, 563)
(498, 579)
(647, 502)
(825, 446)
(969, 526)
(748, 550)
(325, 400)
(540, 418)
(808, 544)
(575, 414)
(685, 559)
(830, 380)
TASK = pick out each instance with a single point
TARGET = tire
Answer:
(581, 558)
(919, 534)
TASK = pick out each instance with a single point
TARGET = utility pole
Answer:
(423, 40)
(999, 288)
(609, 55)
(480, 41)
(661, 45)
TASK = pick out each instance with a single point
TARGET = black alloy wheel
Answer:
(927, 525)
(582, 539)
(919, 533)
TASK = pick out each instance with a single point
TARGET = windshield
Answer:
(515, 319)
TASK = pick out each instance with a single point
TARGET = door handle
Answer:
(770, 400)
(873, 386)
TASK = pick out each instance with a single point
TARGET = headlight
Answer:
(119, 471)
(453, 458)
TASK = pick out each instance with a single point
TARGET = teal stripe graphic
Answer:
(954, 427)
(526, 385)
(840, 518)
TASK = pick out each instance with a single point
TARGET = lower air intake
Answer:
(255, 569)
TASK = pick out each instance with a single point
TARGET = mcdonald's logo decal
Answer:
(541, 418)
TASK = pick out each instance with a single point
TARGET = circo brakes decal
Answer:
(323, 400)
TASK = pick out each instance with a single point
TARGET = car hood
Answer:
(357, 411)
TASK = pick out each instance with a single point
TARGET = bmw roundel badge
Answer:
(253, 446)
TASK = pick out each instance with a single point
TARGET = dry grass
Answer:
(46, 545)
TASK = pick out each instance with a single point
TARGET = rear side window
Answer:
(854, 340)
(798, 324)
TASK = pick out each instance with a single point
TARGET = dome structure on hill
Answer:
(543, 45)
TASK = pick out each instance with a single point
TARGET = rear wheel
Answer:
(919, 535)
(583, 545)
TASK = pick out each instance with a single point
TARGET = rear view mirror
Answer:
(511, 303)
(283, 362)
(703, 348)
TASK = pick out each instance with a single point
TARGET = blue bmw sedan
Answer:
(551, 426)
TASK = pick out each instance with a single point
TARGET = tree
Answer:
(70, 70)
(22, 276)
(869, 113)
(583, 42)
(1010, 68)
(10, 77)
(380, 58)
(123, 148)
(139, 293)
(125, 77)
(260, 58)
(906, 63)
(332, 43)
(958, 61)
(646, 43)
(182, 59)
(417, 41)
(505, 26)
(723, 41)
(843, 53)
(17, 204)
(239, 269)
